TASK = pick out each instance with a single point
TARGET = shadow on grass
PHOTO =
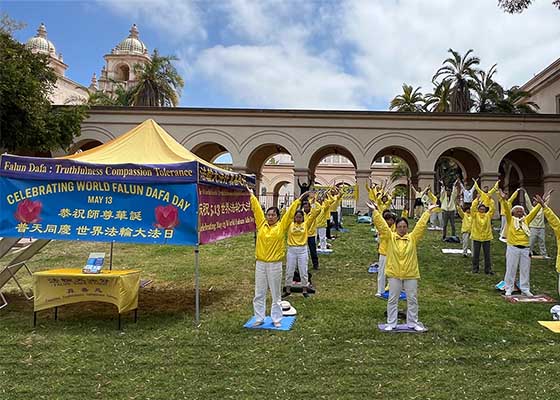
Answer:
(152, 301)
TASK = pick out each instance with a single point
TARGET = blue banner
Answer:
(69, 170)
(99, 211)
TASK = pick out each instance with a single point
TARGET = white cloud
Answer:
(273, 76)
(348, 54)
(179, 19)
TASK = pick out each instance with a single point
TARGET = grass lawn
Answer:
(478, 345)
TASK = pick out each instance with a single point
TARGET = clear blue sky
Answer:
(347, 54)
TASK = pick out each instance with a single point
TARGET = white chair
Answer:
(9, 272)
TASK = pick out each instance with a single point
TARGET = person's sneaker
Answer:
(305, 294)
(277, 324)
(388, 328)
(475, 271)
(490, 273)
(378, 294)
(465, 255)
(528, 293)
(508, 292)
(258, 323)
(416, 327)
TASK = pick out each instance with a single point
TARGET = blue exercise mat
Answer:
(385, 295)
(287, 323)
(402, 328)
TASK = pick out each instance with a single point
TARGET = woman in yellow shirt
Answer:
(481, 233)
(402, 265)
(298, 255)
(518, 252)
(270, 250)
(389, 218)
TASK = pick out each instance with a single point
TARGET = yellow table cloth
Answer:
(58, 287)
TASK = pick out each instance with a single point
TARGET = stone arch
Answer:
(537, 147)
(122, 72)
(209, 151)
(89, 138)
(468, 162)
(411, 149)
(260, 154)
(342, 180)
(525, 169)
(268, 141)
(328, 150)
(401, 152)
(468, 150)
(277, 197)
(84, 145)
(342, 142)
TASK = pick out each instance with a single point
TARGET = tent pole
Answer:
(196, 286)
(111, 256)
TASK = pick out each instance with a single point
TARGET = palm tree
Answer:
(487, 90)
(159, 83)
(400, 170)
(119, 97)
(440, 100)
(410, 101)
(515, 101)
(460, 71)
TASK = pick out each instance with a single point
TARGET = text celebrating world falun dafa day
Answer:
(106, 187)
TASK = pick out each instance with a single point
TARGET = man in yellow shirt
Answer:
(517, 253)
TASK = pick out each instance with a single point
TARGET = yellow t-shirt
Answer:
(271, 239)
(298, 233)
(402, 257)
(481, 223)
(518, 237)
(467, 220)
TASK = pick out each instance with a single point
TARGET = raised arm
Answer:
(513, 197)
(528, 203)
(257, 211)
(460, 211)
(288, 217)
(553, 220)
(494, 188)
(418, 231)
(531, 216)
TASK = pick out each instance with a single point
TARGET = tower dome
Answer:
(131, 45)
(40, 43)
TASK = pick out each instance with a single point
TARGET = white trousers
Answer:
(537, 236)
(411, 289)
(466, 242)
(381, 281)
(268, 275)
(322, 232)
(516, 257)
(297, 257)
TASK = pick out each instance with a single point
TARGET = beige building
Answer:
(545, 89)
(518, 149)
(118, 68)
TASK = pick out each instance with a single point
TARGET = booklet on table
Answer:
(94, 263)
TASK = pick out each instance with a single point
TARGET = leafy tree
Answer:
(461, 73)
(411, 100)
(515, 101)
(159, 83)
(400, 170)
(487, 90)
(28, 121)
(518, 6)
(440, 100)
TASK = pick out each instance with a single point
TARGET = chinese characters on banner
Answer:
(99, 211)
(223, 213)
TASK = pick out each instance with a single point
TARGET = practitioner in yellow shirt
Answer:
(298, 255)
(323, 216)
(465, 214)
(518, 252)
(554, 222)
(503, 219)
(402, 265)
(270, 250)
(481, 233)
